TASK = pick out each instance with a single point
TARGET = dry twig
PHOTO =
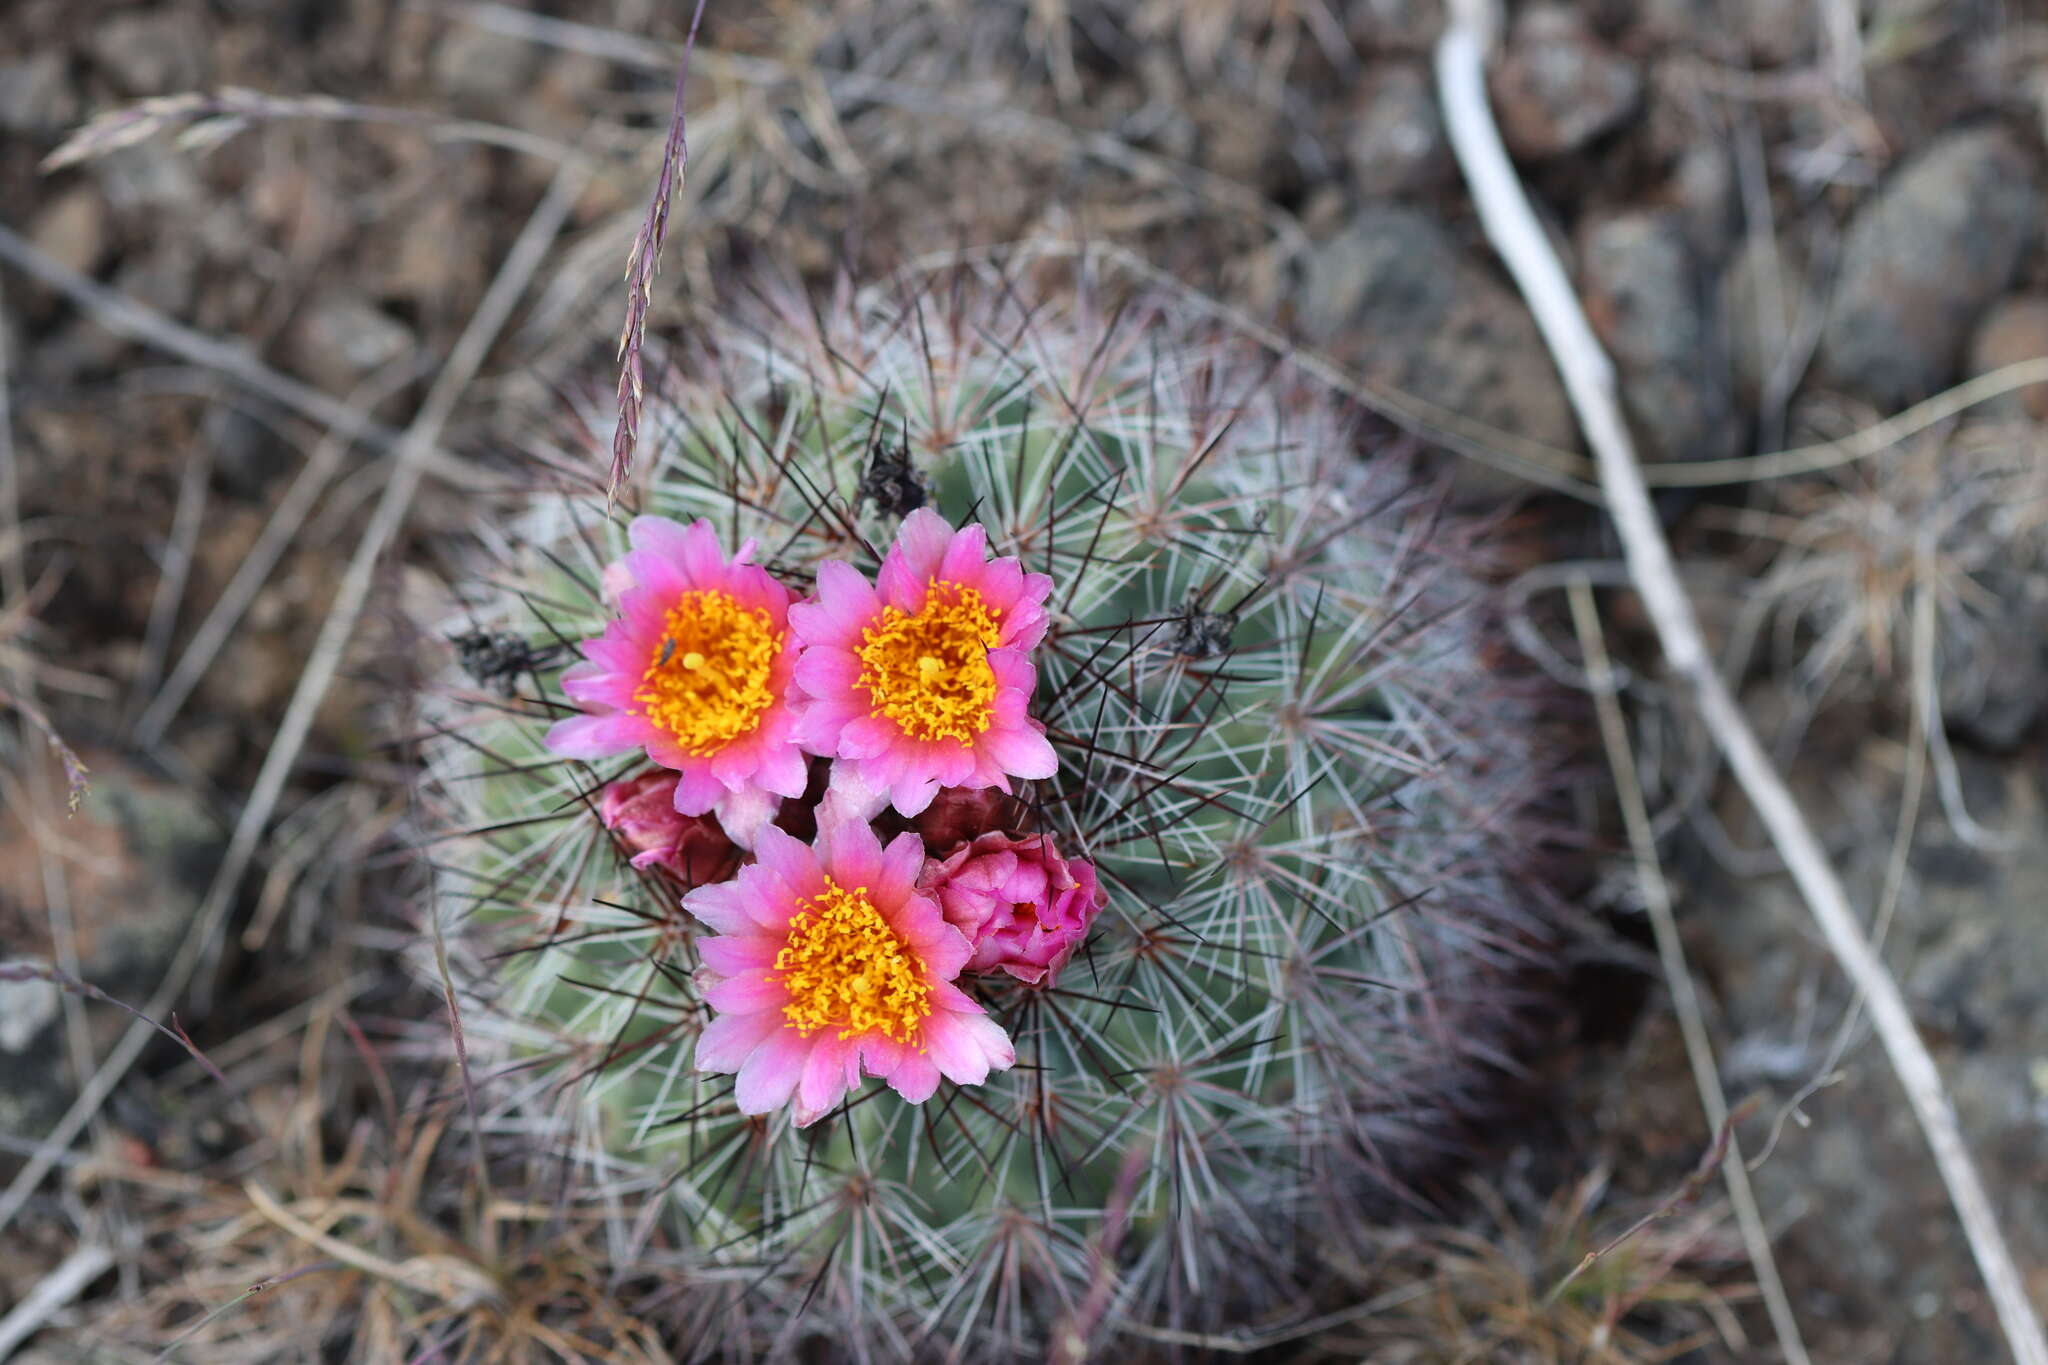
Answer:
(1512, 227)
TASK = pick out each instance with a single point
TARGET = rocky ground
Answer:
(1779, 236)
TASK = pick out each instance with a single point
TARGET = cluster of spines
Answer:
(1266, 710)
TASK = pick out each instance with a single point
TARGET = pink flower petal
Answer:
(867, 737)
(915, 1078)
(911, 794)
(881, 1055)
(722, 906)
(742, 813)
(726, 1041)
(733, 954)
(597, 736)
(966, 558)
(965, 1047)
(771, 1072)
(697, 791)
(661, 577)
(845, 603)
(851, 853)
(902, 860)
(784, 772)
(1021, 753)
(921, 546)
(823, 1083)
(751, 992)
(825, 672)
(787, 857)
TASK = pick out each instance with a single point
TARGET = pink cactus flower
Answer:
(696, 670)
(1023, 906)
(641, 811)
(828, 963)
(922, 679)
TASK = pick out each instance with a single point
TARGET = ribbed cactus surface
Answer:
(1244, 955)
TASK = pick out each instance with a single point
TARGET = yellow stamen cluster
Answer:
(845, 969)
(929, 672)
(707, 685)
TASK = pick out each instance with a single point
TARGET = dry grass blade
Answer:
(1512, 227)
(1699, 1049)
(641, 264)
(75, 771)
(520, 263)
(209, 119)
(170, 1350)
(34, 971)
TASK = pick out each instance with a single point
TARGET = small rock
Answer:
(1646, 294)
(1395, 142)
(1559, 87)
(1923, 259)
(1761, 292)
(25, 1006)
(2015, 330)
(1394, 25)
(339, 339)
(1993, 660)
(150, 53)
(483, 68)
(1775, 33)
(1703, 190)
(1394, 298)
(36, 95)
(141, 853)
(150, 178)
(72, 229)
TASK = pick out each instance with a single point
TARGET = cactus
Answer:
(1287, 750)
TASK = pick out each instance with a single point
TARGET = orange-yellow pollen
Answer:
(707, 685)
(845, 969)
(929, 672)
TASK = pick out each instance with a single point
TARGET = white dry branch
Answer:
(65, 1282)
(1515, 233)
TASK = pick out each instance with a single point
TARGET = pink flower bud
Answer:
(641, 810)
(1023, 907)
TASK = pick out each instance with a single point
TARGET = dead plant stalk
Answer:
(1512, 227)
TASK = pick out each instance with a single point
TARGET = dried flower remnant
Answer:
(922, 679)
(830, 963)
(500, 659)
(891, 483)
(695, 670)
(1023, 906)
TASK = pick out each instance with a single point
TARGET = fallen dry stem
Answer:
(1512, 227)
